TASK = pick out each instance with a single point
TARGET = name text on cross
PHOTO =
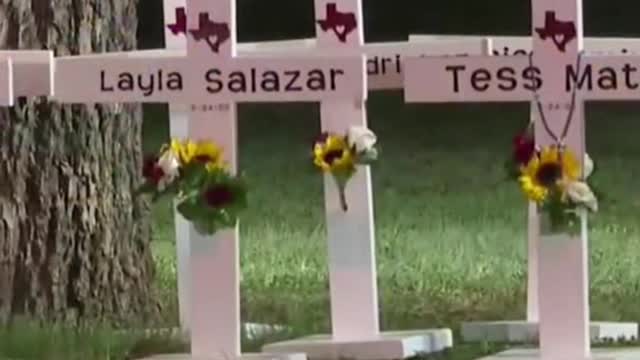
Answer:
(589, 77)
(216, 81)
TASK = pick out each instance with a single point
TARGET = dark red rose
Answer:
(524, 148)
(218, 196)
(151, 171)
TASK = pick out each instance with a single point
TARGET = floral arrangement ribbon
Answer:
(195, 175)
(339, 155)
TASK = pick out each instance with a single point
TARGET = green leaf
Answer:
(193, 175)
(561, 220)
(189, 207)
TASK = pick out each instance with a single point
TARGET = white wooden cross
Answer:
(555, 76)
(212, 73)
(352, 261)
(384, 69)
(519, 331)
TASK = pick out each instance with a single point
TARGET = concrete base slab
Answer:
(597, 354)
(260, 356)
(387, 346)
(526, 331)
(252, 331)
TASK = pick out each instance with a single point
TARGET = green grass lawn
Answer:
(450, 232)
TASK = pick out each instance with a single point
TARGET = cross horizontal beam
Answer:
(512, 79)
(32, 71)
(181, 80)
(521, 45)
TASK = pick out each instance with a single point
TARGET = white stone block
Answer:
(386, 346)
(597, 354)
(261, 356)
(527, 331)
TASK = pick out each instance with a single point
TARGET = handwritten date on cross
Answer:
(557, 106)
(214, 33)
(341, 23)
(555, 28)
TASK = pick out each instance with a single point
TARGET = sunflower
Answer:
(203, 152)
(333, 154)
(548, 170)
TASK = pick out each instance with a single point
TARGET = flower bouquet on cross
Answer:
(206, 193)
(553, 178)
(339, 155)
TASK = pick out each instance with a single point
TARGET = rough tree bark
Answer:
(74, 242)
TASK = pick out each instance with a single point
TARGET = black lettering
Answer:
(316, 80)
(572, 78)
(147, 88)
(237, 82)
(291, 85)
(253, 80)
(372, 66)
(507, 75)
(103, 86)
(174, 81)
(126, 82)
(398, 64)
(607, 79)
(384, 64)
(627, 70)
(211, 78)
(270, 81)
(456, 79)
(334, 74)
(480, 79)
(533, 75)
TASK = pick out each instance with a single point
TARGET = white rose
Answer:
(580, 193)
(361, 138)
(170, 165)
(588, 165)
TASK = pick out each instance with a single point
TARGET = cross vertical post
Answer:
(563, 269)
(179, 128)
(215, 263)
(350, 234)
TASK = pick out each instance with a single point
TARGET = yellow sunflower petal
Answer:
(331, 145)
(570, 166)
(531, 190)
(531, 168)
(177, 149)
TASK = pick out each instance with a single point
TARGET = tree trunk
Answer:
(74, 242)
